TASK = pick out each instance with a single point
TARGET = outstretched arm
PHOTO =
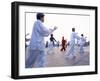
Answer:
(77, 37)
(44, 31)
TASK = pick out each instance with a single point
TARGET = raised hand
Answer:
(55, 28)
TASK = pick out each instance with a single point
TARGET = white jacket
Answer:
(38, 34)
(82, 41)
(73, 37)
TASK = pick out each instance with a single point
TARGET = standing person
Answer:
(37, 44)
(72, 42)
(63, 45)
(51, 44)
(81, 44)
(52, 39)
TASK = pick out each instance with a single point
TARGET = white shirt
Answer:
(82, 41)
(73, 37)
(38, 34)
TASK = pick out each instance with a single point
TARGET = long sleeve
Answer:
(73, 37)
(43, 30)
(38, 34)
(76, 36)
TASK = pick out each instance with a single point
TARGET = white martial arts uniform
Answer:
(37, 45)
(72, 43)
(81, 43)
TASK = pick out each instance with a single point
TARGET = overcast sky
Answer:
(64, 22)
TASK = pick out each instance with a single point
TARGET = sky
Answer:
(64, 23)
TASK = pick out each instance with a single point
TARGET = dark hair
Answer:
(39, 15)
(51, 34)
(62, 37)
(73, 29)
(82, 35)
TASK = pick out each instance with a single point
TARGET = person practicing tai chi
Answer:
(51, 45)
(81, 43)
(37, 43)
(72, 43)
(63, 45)
(52, 39)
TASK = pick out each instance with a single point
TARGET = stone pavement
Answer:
(57, 58)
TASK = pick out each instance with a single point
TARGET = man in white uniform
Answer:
(72, 42)
(37, 44)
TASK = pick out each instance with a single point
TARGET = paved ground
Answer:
(57, 58)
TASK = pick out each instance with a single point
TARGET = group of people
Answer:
(37, 43)
(81, 43)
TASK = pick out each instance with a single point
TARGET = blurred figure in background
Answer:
(63, 45)
(81, 43)
(52, 39)
(51, 45)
